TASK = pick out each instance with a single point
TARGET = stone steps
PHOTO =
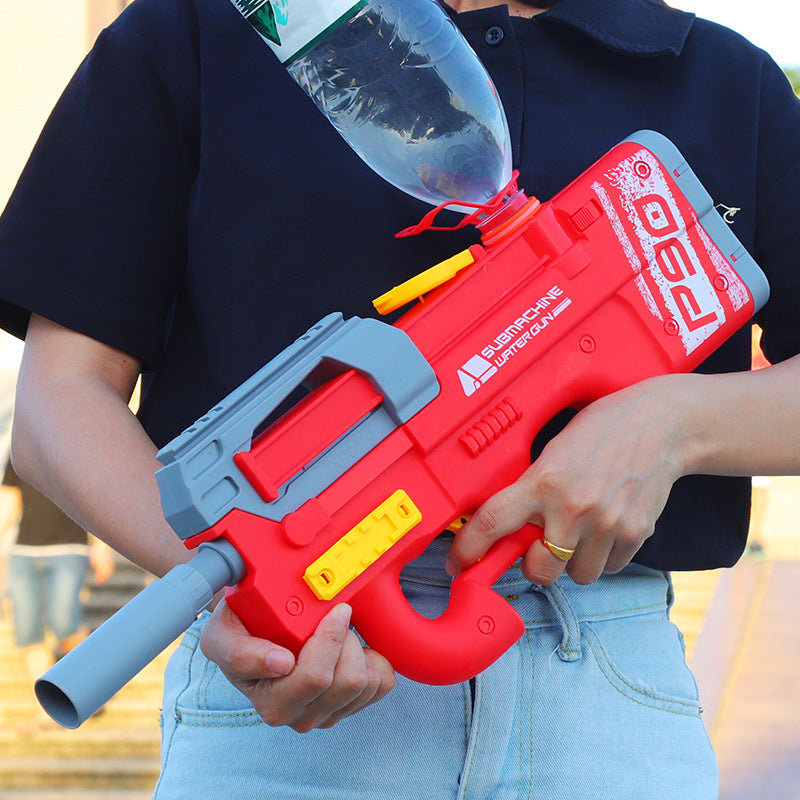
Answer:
(98, 775)
(93, 740)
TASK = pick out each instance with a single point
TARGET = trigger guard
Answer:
(475, 629)
(489, 611)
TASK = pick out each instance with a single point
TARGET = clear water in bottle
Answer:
(408, 94)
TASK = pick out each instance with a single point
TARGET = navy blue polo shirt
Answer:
(187, 204)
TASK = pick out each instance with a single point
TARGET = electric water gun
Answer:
(627, 273)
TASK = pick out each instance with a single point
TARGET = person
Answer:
(200, 213)
(47, 569)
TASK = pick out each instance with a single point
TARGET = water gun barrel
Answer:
(130, 639)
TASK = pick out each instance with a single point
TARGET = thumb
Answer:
(240, 655)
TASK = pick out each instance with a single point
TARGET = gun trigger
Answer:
(423, 283)
(458, 523)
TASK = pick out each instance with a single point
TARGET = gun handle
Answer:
(476, 628)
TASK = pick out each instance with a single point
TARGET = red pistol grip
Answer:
(475, 629)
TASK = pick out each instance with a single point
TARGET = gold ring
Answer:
(563, 553)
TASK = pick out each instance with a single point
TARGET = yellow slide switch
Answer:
(360, 547)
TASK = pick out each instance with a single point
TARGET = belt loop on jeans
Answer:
(570, 647)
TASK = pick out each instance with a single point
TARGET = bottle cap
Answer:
(505, 203)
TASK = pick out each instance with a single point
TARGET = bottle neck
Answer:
(515, 210)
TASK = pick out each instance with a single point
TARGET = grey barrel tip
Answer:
(57, 704)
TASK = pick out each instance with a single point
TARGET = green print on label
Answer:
(247, 6)
(264, 22)
(281, 11)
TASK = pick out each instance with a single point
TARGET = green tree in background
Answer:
(794, 77)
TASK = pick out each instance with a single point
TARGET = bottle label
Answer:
(290, 27)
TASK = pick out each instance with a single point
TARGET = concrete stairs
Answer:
(114, 755)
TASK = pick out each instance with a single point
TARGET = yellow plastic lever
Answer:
(360, 547)
(424, 282)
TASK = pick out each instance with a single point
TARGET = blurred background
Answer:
(741, 627)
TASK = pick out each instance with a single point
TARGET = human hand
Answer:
(598, 488)
(332, 678)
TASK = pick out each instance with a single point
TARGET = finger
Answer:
(317, 661)
(540, 565)
(385, 672)
(622, 553)
(286, 700)
(589, 561)
(240, 655)
(503, 514)
(381, 679)
(362, 677)
(349, 680)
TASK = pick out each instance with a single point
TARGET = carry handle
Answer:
(200, 483)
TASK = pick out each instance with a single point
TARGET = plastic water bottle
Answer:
(403, 87)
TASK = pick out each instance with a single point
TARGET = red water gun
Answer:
(625, 274)
(404, 429)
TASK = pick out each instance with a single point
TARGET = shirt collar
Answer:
(636, 27)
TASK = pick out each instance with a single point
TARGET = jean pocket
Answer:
(193, 685)
(643, 658)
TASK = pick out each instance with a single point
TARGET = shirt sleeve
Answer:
(94, 235)
(777, 242)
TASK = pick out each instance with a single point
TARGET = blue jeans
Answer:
(594, 702)
(45, 595)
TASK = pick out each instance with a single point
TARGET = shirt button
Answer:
(494, 35)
